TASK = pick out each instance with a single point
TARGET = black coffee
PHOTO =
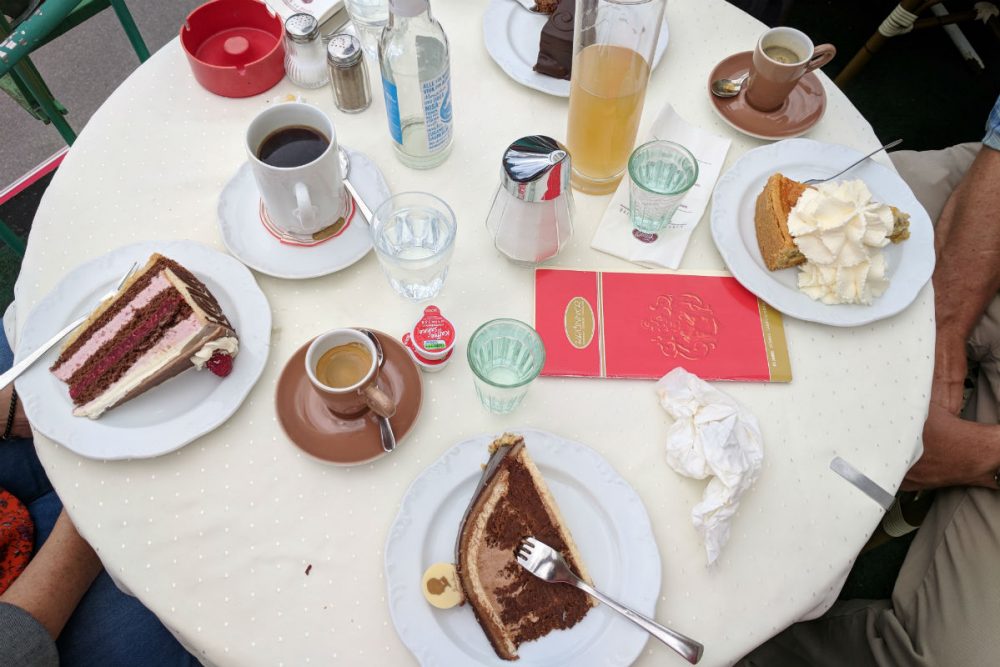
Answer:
(292, 147)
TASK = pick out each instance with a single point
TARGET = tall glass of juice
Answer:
(613, 46)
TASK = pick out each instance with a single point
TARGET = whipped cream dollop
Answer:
(841, 231)
(227, 344)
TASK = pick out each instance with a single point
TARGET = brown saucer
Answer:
(318, 432)
(803, 108)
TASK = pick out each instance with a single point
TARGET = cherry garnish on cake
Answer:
(221, 364)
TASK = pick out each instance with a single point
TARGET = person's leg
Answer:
(112, 628)
(932, 175)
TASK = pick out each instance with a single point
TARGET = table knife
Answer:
(862, 482)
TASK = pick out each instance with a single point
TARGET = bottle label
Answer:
(392, 110)
(437, 109)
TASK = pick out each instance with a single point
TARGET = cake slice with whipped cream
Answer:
(160, 323)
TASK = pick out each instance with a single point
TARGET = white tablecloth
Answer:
(216, 537)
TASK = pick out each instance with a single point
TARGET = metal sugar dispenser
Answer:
(305, 54)
(531, 218)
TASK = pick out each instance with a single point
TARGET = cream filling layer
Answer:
(177, 337)
(110, 329)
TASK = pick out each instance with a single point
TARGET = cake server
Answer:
(29, 360)
(548, 565)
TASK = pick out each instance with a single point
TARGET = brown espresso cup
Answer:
(782, 57)
(342, 366)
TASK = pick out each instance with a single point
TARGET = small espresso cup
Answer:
(782, 57)
(304, 199)
(355, 399)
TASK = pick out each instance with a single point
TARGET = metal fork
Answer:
(548, 565)
(29, 360)
(891, 144)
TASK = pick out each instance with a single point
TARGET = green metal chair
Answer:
(44, 22)
(39, 24)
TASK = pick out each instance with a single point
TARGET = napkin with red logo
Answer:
(642, 325)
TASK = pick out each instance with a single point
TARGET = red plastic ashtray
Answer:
(234, 47)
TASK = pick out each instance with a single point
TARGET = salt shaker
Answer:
(305, 55)
(348, 74)
(531, 218)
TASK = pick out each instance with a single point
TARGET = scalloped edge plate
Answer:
(910, 262)
(606, 517)
(166, 417)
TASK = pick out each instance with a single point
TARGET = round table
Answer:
(216, 538)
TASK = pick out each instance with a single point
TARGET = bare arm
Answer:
(967, 275)
(56, 578)
(966, 278)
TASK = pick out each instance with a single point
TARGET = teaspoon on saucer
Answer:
(345, 170)
(729, 87)
(384, 427)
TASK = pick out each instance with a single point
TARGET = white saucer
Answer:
(511, 34)
(248, 240)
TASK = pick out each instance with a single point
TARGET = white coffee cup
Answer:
(302, 200)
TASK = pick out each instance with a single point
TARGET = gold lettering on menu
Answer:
(580, 322)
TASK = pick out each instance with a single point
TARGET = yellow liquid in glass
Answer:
(605, 105)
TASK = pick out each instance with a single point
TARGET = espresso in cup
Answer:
(782, 57)
(343, 369)
(344, 365)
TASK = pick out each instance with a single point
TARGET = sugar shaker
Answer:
(305, 55)
(348, 73)
(531, 218)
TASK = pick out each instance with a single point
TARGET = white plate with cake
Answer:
(168, 358)
(513, 35)
(759, 211)
(590, 514)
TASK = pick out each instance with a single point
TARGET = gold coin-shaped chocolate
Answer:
(440, 586)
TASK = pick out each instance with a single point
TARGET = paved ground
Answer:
(82, 68)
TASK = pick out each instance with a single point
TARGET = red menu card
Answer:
(642, 325)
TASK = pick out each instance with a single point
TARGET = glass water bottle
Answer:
(416, 81)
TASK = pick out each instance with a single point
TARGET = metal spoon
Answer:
(729, 87)
(345, 169)
(384, 427)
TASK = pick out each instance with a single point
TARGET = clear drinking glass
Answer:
(661, 172)
(613, 46)
(505, 356)
(414, 236)
(369, 17)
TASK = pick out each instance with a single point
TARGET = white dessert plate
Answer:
(910, 263)
(248, 240)
(181, 409)
(511, 34)
(605, 516)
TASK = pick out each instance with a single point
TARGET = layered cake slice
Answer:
(774, 204)
(512, 605)
(161, 322)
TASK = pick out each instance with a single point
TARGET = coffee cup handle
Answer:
(822, 54)
(306, 212)
(379, 401)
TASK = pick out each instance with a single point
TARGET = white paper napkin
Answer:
(712, 436)
(614, 234)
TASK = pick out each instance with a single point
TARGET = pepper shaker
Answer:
(531, 218)
(305, 56)
(348, 73)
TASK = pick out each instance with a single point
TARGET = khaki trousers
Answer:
(945, 607)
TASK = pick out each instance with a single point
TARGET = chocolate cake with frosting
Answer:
(555, 47)
(161, 322)
(512, 605)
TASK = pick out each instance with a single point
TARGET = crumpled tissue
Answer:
(712, 436)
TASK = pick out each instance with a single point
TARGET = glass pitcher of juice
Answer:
(613, 46)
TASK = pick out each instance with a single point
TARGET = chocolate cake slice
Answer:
(513, 502)
(161, 322)
(555, 47)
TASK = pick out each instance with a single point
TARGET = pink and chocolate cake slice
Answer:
(161, 322)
